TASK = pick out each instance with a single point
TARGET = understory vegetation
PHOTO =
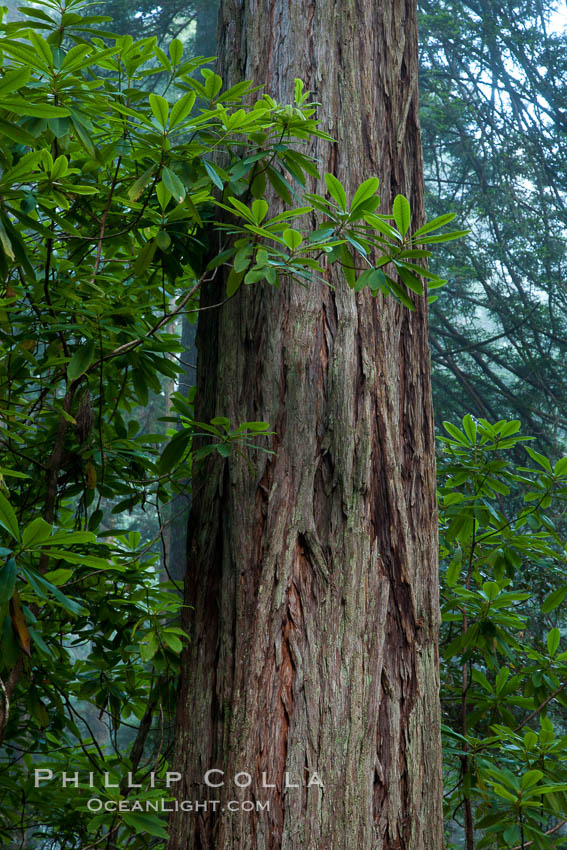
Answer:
(130, 180)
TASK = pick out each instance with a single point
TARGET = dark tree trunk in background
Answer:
(177, 550)
(206, 31)
(203, 45)
(313, 580)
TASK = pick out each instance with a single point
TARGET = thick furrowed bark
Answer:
(313, 580)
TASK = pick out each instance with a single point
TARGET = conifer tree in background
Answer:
(493, 84)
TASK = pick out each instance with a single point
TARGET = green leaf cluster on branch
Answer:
(503, 671)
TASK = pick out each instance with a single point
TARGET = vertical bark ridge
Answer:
(313, 581)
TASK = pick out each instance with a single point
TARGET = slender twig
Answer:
(103, 220)
(100, 409)
(540, 707)
(165, 320)
(557, 826)
(54, 462)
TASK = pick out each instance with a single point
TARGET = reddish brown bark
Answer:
(313, 580)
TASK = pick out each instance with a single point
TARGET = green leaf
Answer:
(6, 242)
(160, 108)
(377, 281)
(213, 83)
(363, 279)
(164, 197)
(176, 51)
(138, 187)
(402, 214)
(14, 80)
(8, 574)
(42, 48)
(434, 224)
(356, 243)
(163, 240)
(13, 473)
(336, 191)
(173, 184)
(74, 58)
(35, 533)
(478, 676)
(539, 458)
(292, 238)
(243, 258)
(254, 426)
(82, 190)
(233, 282)
(172, 641)
(491, 589)
(16, 133)
(348, 265)
(258, 187)
(255, 274)
(35, 110)
(504, 793)
(362, 209)
(163, 58)
(445, 237)
(554, 600)
(149, 646)
(455, 433)
(548, 789)
(81, 360)
(365, 191)
(83, 560)
(214, 175)
(145, 824)
(241, 208)
(39, 641)
(8, 519)
(469, 426)
(60, 167)
(43, 587)
(553, 639)
(59, 576)
(69, 538)
(410, 280)
(382, 226)
(454, 572)
(260, 210)
(280, 184)
(181, 109)
(174, 451)
(400, 293)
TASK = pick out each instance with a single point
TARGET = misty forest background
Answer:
(493, 91)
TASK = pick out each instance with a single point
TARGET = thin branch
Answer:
(540, 707)
(549, 832)
(165, 320)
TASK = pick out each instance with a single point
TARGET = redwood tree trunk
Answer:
(313, 581)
